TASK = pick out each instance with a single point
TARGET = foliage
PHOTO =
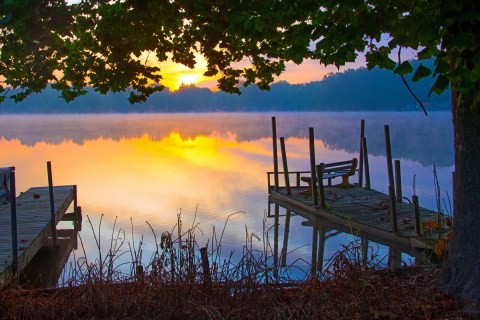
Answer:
(375, 90)
(109, 44)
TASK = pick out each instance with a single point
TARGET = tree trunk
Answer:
(461, 274)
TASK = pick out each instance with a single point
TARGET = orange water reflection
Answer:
(153, 176)
(150, 179)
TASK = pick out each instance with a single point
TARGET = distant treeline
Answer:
(352, 90)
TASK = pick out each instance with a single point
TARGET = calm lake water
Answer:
(138, 168)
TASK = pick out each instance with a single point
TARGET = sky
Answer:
(175, 74)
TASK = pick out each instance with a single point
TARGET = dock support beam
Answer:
(391, 182)
(321, 190)
(416, 208)
(311, 138)
(13, 219)
(360, 166)
(313, 271)
(285, 239)
(275, 154)
(398, 181)
(53, 219)
(367, 168)
(285, 164)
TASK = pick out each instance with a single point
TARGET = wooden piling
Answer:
(275, 240)
(366, 166)
(416, 208)
(13, 221)
(398, 181)
(311, 138)
(285, 238)
(75, 198)
(364, 244)
(321, 190)
(275, 155)
(360, 165)
(394, 258)
(207, 280)
(314, 247)
(285, 165)
(53, 222)
(388, 148)
(393, 209)
(391, 181)
(321, 247)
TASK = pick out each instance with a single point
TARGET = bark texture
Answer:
(462, 269)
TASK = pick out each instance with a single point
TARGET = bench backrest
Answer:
(345, 167)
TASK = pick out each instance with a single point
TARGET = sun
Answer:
(188, 79)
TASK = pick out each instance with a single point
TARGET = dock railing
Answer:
(297, 175)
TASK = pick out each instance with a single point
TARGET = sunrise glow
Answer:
(176, 74)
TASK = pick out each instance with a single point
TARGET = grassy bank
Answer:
(184, 281)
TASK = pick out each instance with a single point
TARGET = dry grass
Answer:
(352, 293)
(174, 285)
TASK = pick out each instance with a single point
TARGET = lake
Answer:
(210, 169)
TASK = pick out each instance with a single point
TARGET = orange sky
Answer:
(175, 74)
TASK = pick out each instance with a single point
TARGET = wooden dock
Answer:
(364, 212)
(33, 224)
(385, 219)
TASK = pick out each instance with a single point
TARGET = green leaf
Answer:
(404, 68)
(422, 72)
(442, 67)
(440, 85)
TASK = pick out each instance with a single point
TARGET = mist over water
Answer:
(134, 168)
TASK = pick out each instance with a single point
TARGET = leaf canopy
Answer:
(103, 44)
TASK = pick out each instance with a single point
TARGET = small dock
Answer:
(355, 206)
(33, 224)
(365, 212)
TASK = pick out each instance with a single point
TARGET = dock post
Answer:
(391, 182)
(268, 182)
(364, 244)
(321, 247)
(398, 181)
(285, 164)
(275, 155)
(416, 209)
(393, 209)
(75, 199)
(394, 258)
(314, 247)
(360, 166)
(275, 241)
(207, 280)
(286, 233)
(13, 219)
(321, 190)
(367, 168)
(53, 219)
(311, 138)
(388, 148)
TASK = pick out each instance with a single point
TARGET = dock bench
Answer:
(343, 169)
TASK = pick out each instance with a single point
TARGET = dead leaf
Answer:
(430, 224)
(440, 248)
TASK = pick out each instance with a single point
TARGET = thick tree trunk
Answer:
(462, 268)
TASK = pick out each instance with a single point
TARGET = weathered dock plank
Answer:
(33, 224)
(363, 211)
